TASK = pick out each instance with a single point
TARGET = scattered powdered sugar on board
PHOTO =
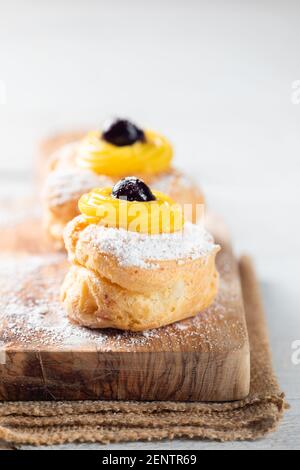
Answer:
(31, 314)
(32, 317)
(30, 310)
(141, 250)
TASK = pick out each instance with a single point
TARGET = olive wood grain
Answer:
(205, 358)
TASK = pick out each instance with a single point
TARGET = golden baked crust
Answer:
(95, 302)
(100, 292)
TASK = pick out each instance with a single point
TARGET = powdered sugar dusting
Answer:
(30, 309)
(32, 317)
(140, 250)
(64, 185)
(65, 156)
(166, 182)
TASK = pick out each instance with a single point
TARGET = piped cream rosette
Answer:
(151, 156)
(161, 215)
(77, 166)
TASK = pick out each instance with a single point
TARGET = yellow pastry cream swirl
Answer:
(159, 216)
(148, 157)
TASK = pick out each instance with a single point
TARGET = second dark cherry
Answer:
(133, 189)
(121, 132)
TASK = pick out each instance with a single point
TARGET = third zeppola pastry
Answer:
(101, 158)
(135, 263)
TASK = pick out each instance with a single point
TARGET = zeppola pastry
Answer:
(135, 263)
(101, 158)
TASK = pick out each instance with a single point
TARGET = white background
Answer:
(216, 77)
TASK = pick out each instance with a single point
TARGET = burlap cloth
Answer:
(38, 423)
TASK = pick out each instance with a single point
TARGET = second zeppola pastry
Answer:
(135, 263)
(101, 158)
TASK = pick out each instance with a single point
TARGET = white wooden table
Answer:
(217, 78)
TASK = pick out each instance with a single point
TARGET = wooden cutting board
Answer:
(44, 357)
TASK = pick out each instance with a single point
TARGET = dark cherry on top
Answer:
(132, 189)
(121, 132)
